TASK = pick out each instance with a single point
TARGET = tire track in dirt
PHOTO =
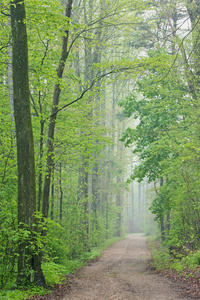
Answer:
(122, 273)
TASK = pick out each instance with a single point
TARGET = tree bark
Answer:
(119, 204)
(83, 200)
(61, 194)
(162, 223)
(10, 86)
(28, 260)
(52, 123)
(132, 208)
(95, 194)
(40, 164)
(139, 205)
(193, 8)
(192, 72)
(52, 194)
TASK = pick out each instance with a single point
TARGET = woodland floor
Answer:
(123, 272)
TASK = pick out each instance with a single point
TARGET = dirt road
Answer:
(122, 274)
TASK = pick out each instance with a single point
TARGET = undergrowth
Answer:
(55, 273)
(182, 264)
(181, 267)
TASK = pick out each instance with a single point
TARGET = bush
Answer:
(192, 260)
(56, 248)
(54, 273)
(161, 259)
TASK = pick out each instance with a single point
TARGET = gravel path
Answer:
(122, 274)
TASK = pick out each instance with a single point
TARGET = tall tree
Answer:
(28, 257)
(52, 123)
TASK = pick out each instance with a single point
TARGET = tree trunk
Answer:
(192, 72)
(139, 205)
(28, 261)
(132, 208)
(95, 193)
(52, 194)
(193, 8)
(84, 201)
(61, 194)
(10, 86)
(168, 223)
(40, 165)
(52, 123)
(162, 223)
(119, 204)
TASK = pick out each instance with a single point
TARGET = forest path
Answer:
(122, 273)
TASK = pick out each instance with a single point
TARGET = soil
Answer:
(123, 273)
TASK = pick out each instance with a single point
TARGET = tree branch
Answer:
(87, 89)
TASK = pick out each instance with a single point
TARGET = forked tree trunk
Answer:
(28, 259)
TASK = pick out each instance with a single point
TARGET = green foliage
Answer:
(183, 263)
(22, 294)
(192, 260)
(160, 255)
(8, 194)
(56, 248)
(162, 203)
(85, 139)
(166, 142)
(54, 273)
(160, 260)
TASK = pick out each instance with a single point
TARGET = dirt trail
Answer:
(122, 274)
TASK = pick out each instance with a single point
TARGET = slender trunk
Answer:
(168, 223)
(193, 8)
(52, 194)
(162, 229)
(61, 194)
(107, 218)
(192, 72)
(95, 193)
(119, 215)
(96, 113)
(132, 208)
(162, 223)
(83, 201)
(40, 165)
(52, 123)
(139, 204)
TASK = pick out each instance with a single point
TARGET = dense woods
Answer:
(99, 129)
